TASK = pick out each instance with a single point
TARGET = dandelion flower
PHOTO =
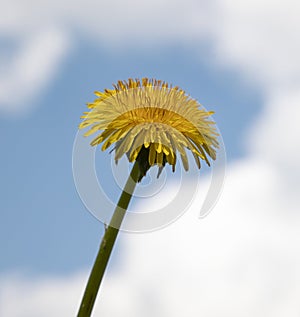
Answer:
(151, 122)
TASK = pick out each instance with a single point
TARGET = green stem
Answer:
(107, 245)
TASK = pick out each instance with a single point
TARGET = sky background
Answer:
(238, 58)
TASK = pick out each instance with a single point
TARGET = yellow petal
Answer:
(152, 154)
(159, 158)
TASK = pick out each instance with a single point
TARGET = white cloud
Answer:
(113, 24)
(242, 260)
(27, 72)
(110, 21)
(259, 38)
(50, 296)
(275, 139)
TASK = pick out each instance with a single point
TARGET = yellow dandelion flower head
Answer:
(152, 122)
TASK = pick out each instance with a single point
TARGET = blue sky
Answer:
(45, 215)
(227, 57)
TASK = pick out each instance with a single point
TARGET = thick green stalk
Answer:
(107, 245)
